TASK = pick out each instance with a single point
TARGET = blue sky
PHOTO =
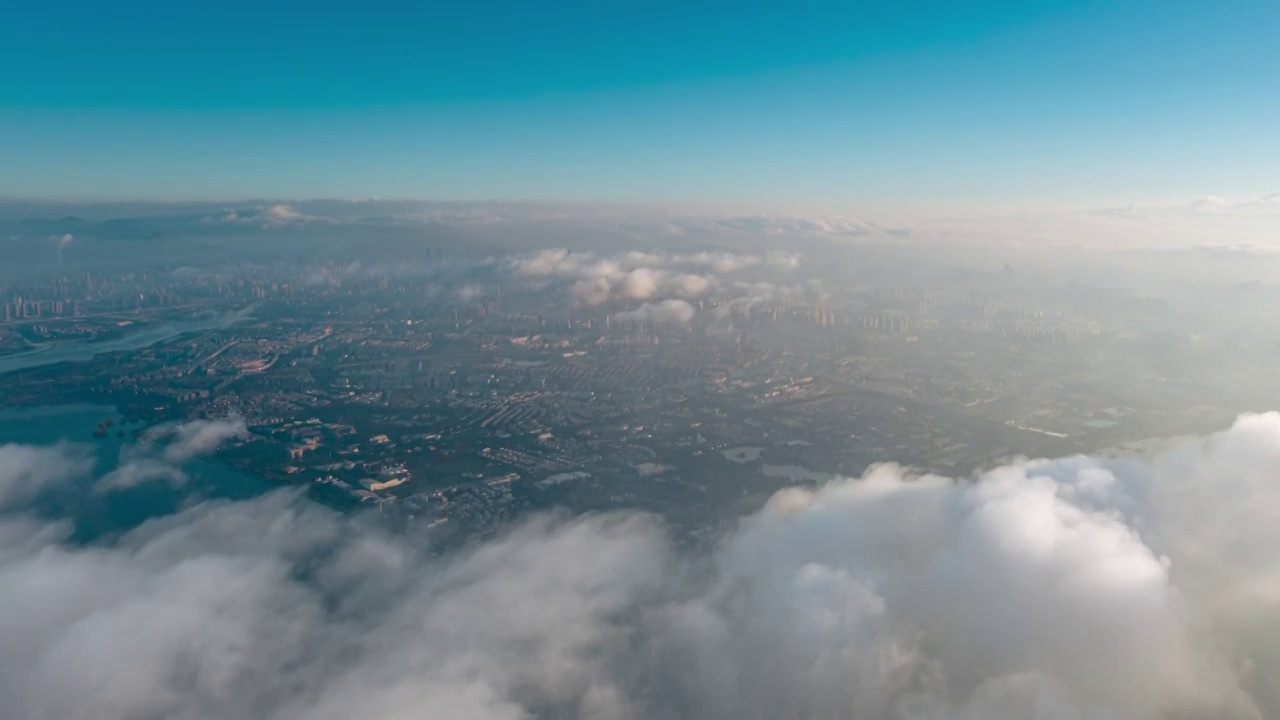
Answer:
(1062, 103)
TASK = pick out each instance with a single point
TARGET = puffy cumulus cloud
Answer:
(748, 294)
(282, 215)
(161, 452)
(1083, 588)
(667, 312)
(27, 471)
(640, 276)
(648, 284)
(639, 284)
(723, 263)
(549, 263)
(923, 592)
(269, 216)
(595, 279)
(277, 608)
(689, 285)
(595, 291)
(198, 437)
(139, 470)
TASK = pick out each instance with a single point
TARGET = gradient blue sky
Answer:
(1061, 103)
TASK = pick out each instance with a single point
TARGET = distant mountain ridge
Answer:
(116, 229)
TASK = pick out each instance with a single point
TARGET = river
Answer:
(79, 351)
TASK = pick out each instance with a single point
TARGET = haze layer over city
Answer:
(867, 361)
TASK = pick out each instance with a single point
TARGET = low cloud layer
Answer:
(637, 276)
(667, 312)
(159, 455)
(271, 216)
(591, 279)
(1074, 588)
(26, 471)
(1250, 222)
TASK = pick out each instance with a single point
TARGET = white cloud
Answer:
(25, 471)
(270, 216)
(282, 215)
(596, 291)
(199, 437)
(558, 261)
(639, 284)
(138, 471)
(640, 276)
(1098, 588)
(667, 312)
(160, 454)
(689, 285)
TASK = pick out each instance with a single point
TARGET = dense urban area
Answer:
(462, 393)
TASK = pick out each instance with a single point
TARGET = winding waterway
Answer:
(81, 350)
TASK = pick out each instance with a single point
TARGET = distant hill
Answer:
(117, 229)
